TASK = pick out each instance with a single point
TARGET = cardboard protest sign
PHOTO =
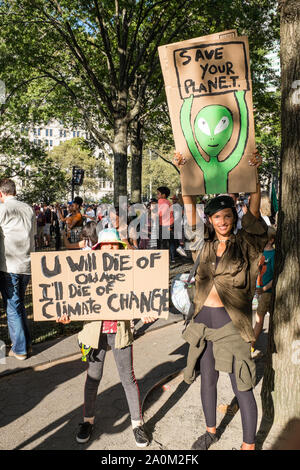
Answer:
(209, 93)
(99, 285)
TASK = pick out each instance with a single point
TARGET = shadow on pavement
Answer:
(112, 415)
(166, 407)
(30, 393)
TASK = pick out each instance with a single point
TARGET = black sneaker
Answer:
(85, 432)
(205, 441)
(141, 438)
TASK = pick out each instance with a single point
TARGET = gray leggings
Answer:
(124, 361)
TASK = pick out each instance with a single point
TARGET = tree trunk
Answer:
(136, 146)
(120, 159)
(281, 385)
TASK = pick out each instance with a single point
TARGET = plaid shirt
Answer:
(109, 326)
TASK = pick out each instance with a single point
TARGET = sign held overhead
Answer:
(209, 93)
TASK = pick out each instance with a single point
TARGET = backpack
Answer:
(183, 291)
(41, 220)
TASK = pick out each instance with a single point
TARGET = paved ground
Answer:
(41, 405)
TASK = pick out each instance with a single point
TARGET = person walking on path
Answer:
(166, 222)
(48, 221)
(264, 283)
(40, 222)
(95, 338)
(17, 241)
(74, 222)
(221, 332)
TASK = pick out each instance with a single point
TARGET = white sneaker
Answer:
(21, 357)
(181, 251)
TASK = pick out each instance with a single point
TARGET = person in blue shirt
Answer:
(264, 283)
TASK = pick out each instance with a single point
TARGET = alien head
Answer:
(213, 128)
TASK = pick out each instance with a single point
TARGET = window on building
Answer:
(51, 143)
(46, 132)
(50, 132)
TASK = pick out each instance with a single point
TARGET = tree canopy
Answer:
(96, 64)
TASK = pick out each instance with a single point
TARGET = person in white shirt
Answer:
(265, 208)
(17, 232)
(240, 209)
(90, 215)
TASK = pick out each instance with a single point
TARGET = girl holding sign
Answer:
(220, 331)
(95, 338)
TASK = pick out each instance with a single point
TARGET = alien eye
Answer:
(222, 125)
(203, 126)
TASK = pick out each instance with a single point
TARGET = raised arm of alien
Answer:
(185, 121)
(234, 158)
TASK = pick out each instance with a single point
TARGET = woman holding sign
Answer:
(221, 332)
(94, 339)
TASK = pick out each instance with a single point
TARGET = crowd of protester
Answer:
(155, 224)
(150, 225)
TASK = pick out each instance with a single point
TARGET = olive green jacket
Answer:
(235, 275)
(90, 334)
(228, 348)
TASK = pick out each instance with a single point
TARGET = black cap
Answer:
(217, 204)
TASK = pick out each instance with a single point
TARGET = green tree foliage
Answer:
(268, 135)
(75, 152)
(38, 176)
(95, 64)
(88, 62)
(44, 183)
(158, 172)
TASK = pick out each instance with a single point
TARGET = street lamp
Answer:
(77, 178)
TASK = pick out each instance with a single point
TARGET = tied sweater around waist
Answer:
(228, 348)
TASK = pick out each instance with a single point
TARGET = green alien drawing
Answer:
(213, 127)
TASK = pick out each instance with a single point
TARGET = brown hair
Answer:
(89, 232)
(7, 186)
(271, 233)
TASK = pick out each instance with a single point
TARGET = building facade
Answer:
(54, 134)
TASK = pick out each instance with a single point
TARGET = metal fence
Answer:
(43, 330)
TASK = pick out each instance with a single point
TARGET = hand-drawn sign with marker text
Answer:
(99, 285)
(209, 93)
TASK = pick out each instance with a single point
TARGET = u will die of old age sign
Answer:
(98, 285)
